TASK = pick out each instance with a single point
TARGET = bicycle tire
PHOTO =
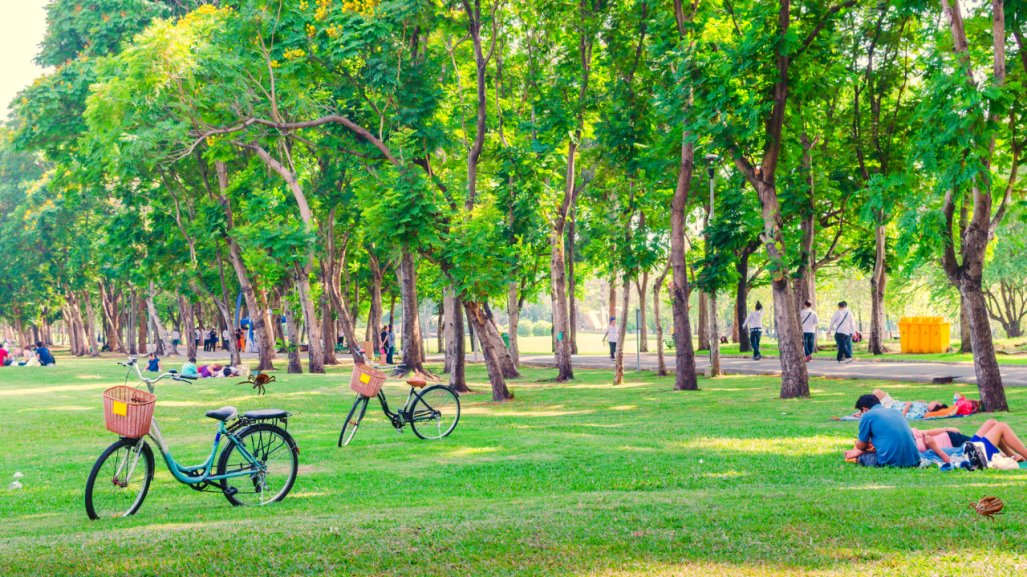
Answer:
(437, 409)
(119, 504)
(263, 448)
(351, 426)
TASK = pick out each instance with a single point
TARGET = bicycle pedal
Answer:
(231, 491)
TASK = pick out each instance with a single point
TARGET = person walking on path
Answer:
(611, 336)
(754, 322)
(843, 326)
(390, 345)
(810, 320)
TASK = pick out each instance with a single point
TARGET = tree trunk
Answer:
(741, 302)
(965, 334)
(684, 356)
(490, 349)
(794, 377)
(262, 330)
(714, 339)
(622, 333)
(505, 360)
(292, 334)
(513, 313)
(315, 344)
(661, 365)
(328, 329)
(704, 321)
(561, 323)
(94, 349)
(572, 283)
(878, 283)
(158, 328)
(643, 333)
(188, 324)
(440, 323)
(455, 353)
(133, 319)
(407, 274)
(144, 323)
(224, 306)
(109, 309)
(989, 378)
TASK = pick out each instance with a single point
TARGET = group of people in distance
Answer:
(388, 343)
(27, 356)
(885, 439)
(215, 370)
(191, 370)
(842, 324)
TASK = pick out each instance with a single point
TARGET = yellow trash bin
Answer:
(933, 331)
(905, 327)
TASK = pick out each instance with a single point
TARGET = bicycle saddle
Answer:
(417, 382)
(222, 414)
(265, 414)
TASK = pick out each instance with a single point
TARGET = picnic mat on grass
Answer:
(949, 413)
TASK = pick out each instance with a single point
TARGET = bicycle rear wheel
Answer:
(278, 456)
(120, 479)
(352, 422)
(435, 412)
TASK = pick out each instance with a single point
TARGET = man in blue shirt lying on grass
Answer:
(885, 439)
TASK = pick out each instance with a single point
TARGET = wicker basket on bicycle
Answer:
(366, 380)
(128, 411)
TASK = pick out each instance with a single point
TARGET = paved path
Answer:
(923, 372)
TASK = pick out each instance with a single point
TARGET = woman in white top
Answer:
(611, 336)
(754, 322)
(843, 326)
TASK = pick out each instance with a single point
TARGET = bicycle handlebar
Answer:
(172, 374)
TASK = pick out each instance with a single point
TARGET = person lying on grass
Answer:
(909, 409)
(939, 444)
(998, 437)
(885, 439)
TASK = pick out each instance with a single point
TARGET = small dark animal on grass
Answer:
(988, 507)
(259, 380)
(942, 380)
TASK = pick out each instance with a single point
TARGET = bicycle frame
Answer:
(182, 473)
(401, 417)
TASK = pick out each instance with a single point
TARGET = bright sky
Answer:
(22, 25)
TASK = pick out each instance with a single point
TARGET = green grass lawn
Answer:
(577, 479)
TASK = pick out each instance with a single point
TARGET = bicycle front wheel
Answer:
(352, 422)
(271, 478)
(435, 412)
(120, 479)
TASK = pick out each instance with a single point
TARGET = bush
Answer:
(542, 329)
(524, 328)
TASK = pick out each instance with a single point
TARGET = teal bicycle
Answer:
(257, 466)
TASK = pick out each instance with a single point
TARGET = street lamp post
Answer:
(714, 331)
